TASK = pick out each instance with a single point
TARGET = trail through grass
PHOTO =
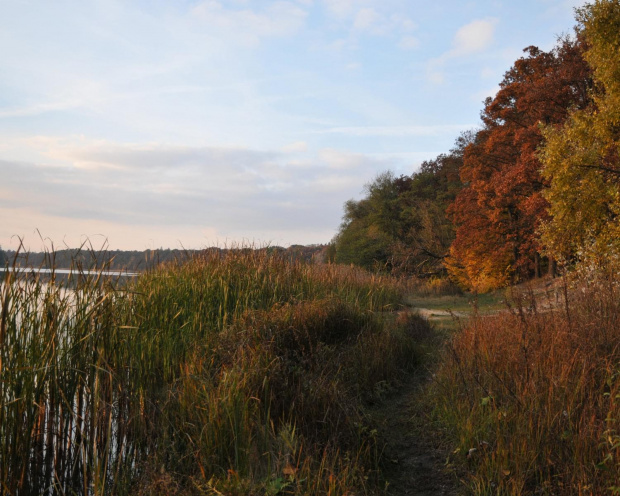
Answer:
(415, 451)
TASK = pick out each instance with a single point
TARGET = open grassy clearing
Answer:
(449, 309)
(465, 303)
(447, 312)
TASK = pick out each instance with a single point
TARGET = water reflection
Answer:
(28, 270)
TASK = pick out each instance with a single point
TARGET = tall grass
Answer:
(531, 395)
(235, 373)
(433, 286)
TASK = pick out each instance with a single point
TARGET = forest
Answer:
(535, 186)
(91, 257)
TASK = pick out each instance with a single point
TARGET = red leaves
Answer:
(497, 215)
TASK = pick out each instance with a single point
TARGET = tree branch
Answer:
(600, 167)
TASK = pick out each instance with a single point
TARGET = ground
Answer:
(416, 451)
(414, 455)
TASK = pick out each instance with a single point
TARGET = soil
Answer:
(428, 313)
(414, 458)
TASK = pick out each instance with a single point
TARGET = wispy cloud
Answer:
(409, 42)
(39, 109)
(472, 38)
(277, 19)
(366, 19)
(397, 131)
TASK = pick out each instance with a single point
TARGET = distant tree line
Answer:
(140, 260)
(538, 183)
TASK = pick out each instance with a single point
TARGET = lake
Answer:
(28, 270)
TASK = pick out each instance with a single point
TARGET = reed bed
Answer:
(231, 373)
(531, 394)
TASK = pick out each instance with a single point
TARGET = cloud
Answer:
(340, 8)
(409, 42)
(406, 23)
(474, 37)
(296, 147)
(231, 191)
(132, 157)
(278, 19)
(41, 108)
(397, 131)
(435, 76)
(366, 19)
(343, 160)
(470, 39)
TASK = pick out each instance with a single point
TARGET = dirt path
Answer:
(429, 313)
(414, 459)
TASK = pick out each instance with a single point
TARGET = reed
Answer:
(236, 373)
(530, 395)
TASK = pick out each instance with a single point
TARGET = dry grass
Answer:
(433, 286)
(240, 373)
(531, 396)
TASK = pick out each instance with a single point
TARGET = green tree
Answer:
(369, 225)
(581, 158)
(401, 223)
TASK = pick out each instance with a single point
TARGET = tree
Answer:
(425, 242)
(369, 225)
(500, 208)
(401, 223)
(581, 158)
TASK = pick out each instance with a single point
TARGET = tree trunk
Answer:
(552, 271)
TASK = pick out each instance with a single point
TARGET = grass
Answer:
(530, 395)
(235, 373)
(445, 306)
(465, 303)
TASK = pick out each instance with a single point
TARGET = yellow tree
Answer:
(581, 157)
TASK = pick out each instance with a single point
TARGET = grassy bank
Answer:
(530, 395)
(240, 373)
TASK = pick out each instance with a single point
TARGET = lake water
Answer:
(27, 270)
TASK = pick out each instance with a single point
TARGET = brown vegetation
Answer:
(237, 373)
(531, 396)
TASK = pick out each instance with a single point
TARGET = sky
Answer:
(171, 123)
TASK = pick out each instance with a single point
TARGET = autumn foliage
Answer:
(499, 211)
(582, 157)
(537, 184)
(401, 225)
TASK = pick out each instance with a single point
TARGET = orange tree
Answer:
(498, 212)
